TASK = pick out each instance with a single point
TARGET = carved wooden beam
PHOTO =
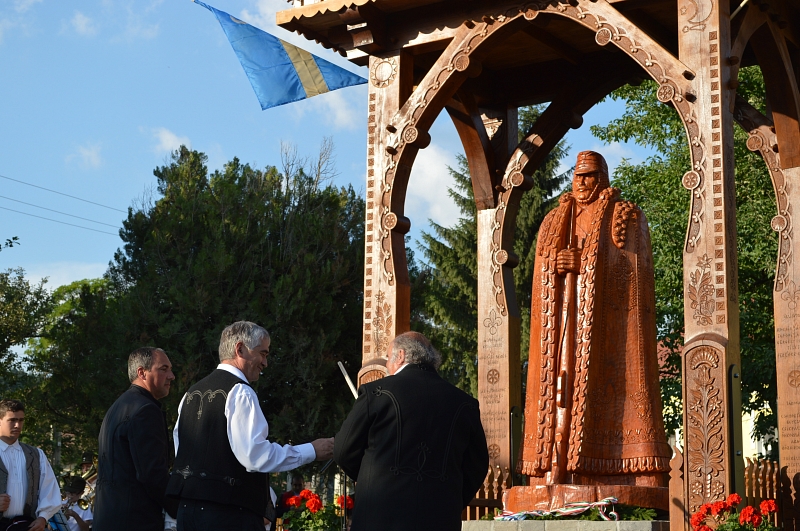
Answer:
(367, 27)
(477, 147)
(782, 91)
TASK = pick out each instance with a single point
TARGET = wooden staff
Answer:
(566, 363)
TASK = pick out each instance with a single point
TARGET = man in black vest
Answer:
(413, 443)
(132, 470)
(29, 488)
(223, 455)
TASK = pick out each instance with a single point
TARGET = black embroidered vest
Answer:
(205, 467)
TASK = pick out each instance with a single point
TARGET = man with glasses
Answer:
(223, 455)
(30, 494)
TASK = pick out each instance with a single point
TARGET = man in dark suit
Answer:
(413, 443)
(132, 462)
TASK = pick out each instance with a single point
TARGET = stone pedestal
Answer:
(564, 525)
(546, 497)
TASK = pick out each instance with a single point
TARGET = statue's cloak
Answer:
(616, 424)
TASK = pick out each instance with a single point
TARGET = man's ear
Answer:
(400, 356)
(140, 373)
(238, 350)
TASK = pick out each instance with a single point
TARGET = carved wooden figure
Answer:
(593, 406)
(480, 60)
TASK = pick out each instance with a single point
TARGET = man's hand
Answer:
(568, 261)
(5, 501)
(38, 525)
(323, 448)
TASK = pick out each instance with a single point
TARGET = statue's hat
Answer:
(589, 161)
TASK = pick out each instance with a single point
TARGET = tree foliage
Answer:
(655, 186)
(23, 310)
(450, 305)
(279, 247)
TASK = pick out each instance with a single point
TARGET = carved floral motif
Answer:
(381, 324)
(705, 439)
(701, 292)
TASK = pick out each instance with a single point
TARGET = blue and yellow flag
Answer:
(278, 71)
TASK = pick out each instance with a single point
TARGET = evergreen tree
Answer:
(449, 312)
(277, 247)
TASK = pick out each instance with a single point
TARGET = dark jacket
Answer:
(416, 447)
(132, 471)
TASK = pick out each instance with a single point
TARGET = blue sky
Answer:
(95, 94)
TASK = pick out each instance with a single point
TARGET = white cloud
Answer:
(169, 141)
(23, 5)
(339, 109)
(82, 24)
(614, 153)
(5, 24)
(264, 15)
(88, 155)
(427, 196)
(61, 273)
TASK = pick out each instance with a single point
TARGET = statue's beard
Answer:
(592, 197)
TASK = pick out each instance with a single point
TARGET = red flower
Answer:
(314, 504)
(756, 520)
(697, 519)
(294, 501)
(768, 506)
(734, 500)
(746, 515)
(718, 507)
(705, 509)
(346, 501)
(306, 494)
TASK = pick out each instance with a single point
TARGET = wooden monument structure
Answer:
(480, 60)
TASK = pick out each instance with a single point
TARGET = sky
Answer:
(96, 94)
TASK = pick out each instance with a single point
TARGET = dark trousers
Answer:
(197, 515)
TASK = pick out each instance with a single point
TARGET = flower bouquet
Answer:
(308, 513)
(722, 516)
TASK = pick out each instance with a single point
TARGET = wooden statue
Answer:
(593, 406)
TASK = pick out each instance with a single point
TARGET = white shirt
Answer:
(248, 431)
(49, 494)
(85, 515)
(403, 366)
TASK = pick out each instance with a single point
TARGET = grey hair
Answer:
(248, 333)
(141, 357)
(418, 349)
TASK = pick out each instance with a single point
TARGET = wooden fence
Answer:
(490, 496)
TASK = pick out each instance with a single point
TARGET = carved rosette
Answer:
(705, 440)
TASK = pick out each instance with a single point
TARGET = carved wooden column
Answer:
(711, 364)
(499, 374)
(386, 284)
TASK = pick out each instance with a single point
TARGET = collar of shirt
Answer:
(5, 446)
(234, 371)
(403, 366)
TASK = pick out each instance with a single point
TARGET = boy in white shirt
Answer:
(78, 519)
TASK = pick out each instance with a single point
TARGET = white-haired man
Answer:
(222, 450)
(413, 443)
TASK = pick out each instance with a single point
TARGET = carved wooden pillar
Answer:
(711, 364)
(386, 284)
(499, 375)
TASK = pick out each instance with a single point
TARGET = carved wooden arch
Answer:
(408, 128)
(763, 140)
